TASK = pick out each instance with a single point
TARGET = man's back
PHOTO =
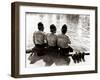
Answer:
(63, 41)
(51, 39)
(38, 37)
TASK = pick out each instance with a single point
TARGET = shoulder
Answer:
(35, 32)
(43, 33)
(48, 34)
(67, 36)
(55, 35)
(58, 35)
(40, 32)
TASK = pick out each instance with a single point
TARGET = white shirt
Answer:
(39, 37)
(63, 41)
(51, 39)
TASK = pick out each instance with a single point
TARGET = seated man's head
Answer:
(52, 28)
(64, 29)
(40, 26)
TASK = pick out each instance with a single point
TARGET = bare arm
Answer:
(34, 38)
(69, 42)
(45, 39)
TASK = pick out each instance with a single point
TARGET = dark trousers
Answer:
(52, 50)
(39, 49)
(65, 51)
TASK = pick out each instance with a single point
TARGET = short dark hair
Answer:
(64, 29)
(52, 28)
(40, 26)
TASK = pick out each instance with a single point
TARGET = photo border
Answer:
(15, 34)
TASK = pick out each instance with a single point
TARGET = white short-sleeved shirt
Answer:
(51, 39)
(63, 41)
(39, 37)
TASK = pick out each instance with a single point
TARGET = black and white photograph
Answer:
(57, 39)
(54, 39)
